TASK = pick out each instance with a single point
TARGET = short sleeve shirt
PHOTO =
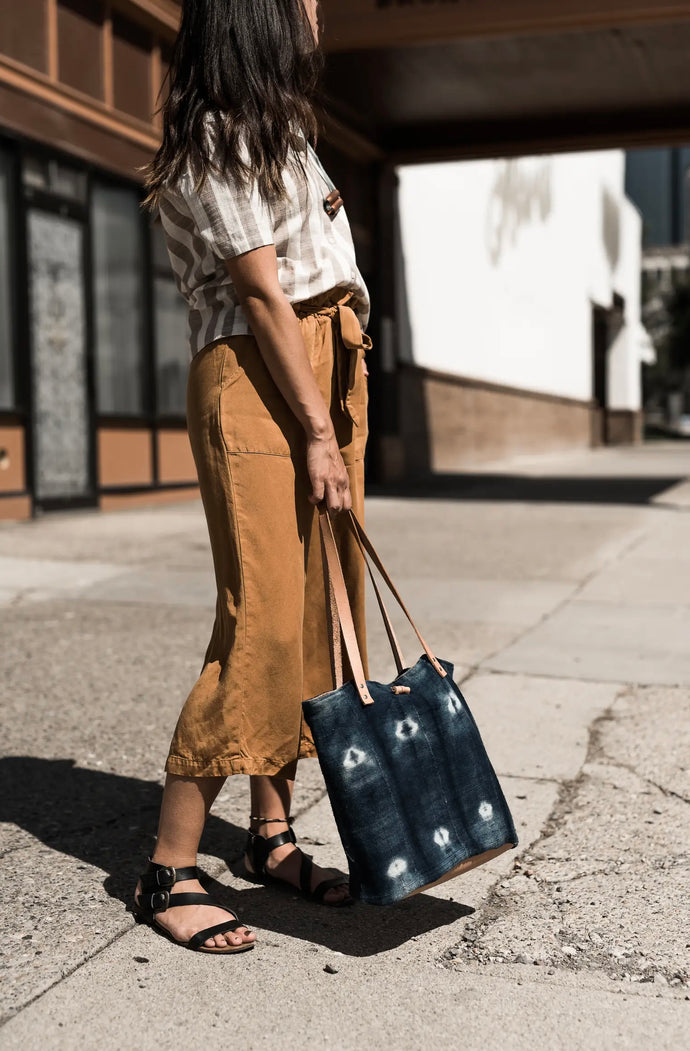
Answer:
(224, 219)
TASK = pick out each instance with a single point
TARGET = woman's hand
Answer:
(327, 473)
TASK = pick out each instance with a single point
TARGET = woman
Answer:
(276, 406)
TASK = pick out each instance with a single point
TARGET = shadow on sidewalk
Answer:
(530, 489)
(105, 820)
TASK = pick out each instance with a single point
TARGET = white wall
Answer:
(502, 261)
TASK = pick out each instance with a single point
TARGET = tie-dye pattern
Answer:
(413, 791)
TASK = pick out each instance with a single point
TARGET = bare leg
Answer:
(185, 807)
(271, 797)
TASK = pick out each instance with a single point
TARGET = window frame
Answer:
(169, 420)
(146, 416)
(150, 415)
(18, 410)
(16, 145)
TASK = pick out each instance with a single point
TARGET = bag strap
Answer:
(338, 591)
(369, 548)
(337, 582)
(390, 630)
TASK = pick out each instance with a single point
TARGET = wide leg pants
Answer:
(270, 647)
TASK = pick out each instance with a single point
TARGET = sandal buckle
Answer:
(166, 877)
(159, 901)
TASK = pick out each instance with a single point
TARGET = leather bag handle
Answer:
(338, 591)
(390, 630)
(369, 548)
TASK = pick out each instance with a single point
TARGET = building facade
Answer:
(521, 305)
(93, 334)
(93, 356)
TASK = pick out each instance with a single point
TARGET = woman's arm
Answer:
(277, 331)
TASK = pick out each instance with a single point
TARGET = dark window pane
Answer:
(649, 184)
(172, 348)
(118, 300)
(172, 343)
(684, 176)
(6, 312)
(54, 177)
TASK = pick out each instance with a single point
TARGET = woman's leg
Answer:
(185, 807)
(271, 798)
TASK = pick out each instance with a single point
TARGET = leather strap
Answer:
(335, 635)
(228, 927)
(258, 847)
(339, 590)
(335, 573)
(369, 547)
(390, 630)
(163, 877)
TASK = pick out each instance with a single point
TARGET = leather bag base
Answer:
(465, 866)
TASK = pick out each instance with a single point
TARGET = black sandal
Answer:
(155, 897)
(257, 850)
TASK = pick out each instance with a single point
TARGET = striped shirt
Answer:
(224, 219)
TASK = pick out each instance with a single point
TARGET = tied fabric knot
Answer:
(356, 343)
(351, 345)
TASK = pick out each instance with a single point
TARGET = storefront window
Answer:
(170, 325)
(6, 312)
(119, 307)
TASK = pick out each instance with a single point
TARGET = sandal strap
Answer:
(195, 898)
(157, 882)
(220, 928)
(305, 870)
(152, 903)
(163, 877)
(278, 840)
(258, 847)
(321, 889)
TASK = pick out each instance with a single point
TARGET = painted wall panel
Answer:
(175, 461)
(12, 474)
(124, 456)
(502, 261)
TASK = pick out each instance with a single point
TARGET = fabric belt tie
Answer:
(348, 332)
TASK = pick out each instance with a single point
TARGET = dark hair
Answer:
(246, 71)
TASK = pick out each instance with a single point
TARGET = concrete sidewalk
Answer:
(561, 589)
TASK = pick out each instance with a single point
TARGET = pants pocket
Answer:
(254, 416)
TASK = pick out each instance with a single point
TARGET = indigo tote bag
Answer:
(413, 792)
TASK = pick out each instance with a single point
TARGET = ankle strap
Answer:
(271, 820)
(258, 847)
(162, 877)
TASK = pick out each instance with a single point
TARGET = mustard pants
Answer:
(270, 647)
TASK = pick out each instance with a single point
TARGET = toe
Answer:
(336, 894)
